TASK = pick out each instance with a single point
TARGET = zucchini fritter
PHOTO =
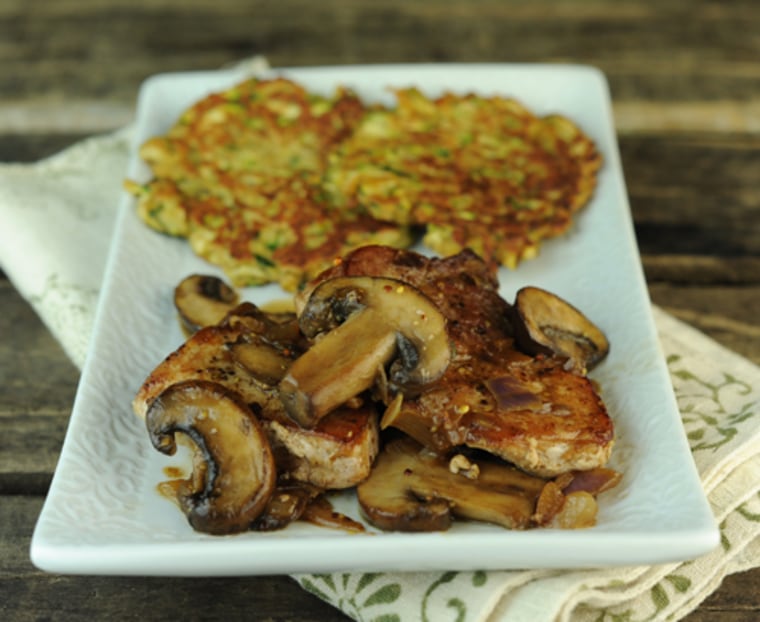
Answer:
(479, 173)
(239, 175)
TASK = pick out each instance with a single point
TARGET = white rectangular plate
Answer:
(103, 514)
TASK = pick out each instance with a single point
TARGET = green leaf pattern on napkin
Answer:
(702, 402)
(376, 597)
(358, 595)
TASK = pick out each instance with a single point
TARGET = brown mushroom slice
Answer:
(203, 300)
(413, 489)
(233, 467)
(360, 327)
(547, 324)
(387, 497)
(264, 361)
(287, 503)
(276, 327)
(268, 342)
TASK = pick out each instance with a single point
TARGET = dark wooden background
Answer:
(685, 80)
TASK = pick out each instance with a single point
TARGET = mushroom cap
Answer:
(420, 326)
(203, 300)
(547, 324)
(364, 328)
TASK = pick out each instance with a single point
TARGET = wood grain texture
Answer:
(685, 83)
(28, 594)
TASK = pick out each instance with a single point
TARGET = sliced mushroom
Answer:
(203, 300)
(233, 467)
(387, 497)
(413, 489)
(287, 504)
(279, 327)
(266, 362)
(267, 344)
(547, 324)
(360, 327)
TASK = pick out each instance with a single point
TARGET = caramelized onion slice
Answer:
(569, 501)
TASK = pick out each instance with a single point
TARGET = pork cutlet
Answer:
(535, 412)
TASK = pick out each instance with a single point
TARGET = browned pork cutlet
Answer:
(531, 411)
(337, 453)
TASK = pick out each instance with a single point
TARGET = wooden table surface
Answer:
(685, 80)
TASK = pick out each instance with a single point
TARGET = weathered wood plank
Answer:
(29, 450)
(701, 269)
(29, 594)
(728, 315)
(655, 50)
(18, 515)
(35, 374)
(704, 208)
(38, 386)
(735, 600)
(267, 599)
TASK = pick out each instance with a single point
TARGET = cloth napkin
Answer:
(57, 217)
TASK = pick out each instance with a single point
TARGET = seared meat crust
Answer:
(533, 412)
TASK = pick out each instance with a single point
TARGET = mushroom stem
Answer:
(360, 327)
(413, 489)
(340, 365)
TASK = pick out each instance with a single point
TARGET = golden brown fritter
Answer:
(239, 175)
(479, 173)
